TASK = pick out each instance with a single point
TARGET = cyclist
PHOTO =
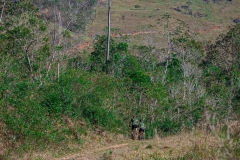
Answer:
(142, 127)
(134, 123)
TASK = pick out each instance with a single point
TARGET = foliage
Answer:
(222, 70)
(189, 89)
(22, 56)
(117, 52)
(134, 70)
(137, 6)
(175, 73)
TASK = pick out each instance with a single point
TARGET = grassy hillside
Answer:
(131, 16)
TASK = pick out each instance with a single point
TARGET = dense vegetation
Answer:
(42, 84)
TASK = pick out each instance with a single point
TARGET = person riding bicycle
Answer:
(134, 123)
(142, 127)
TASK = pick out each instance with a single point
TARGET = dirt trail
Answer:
(87, 44)
(90, 153)
(169, 147)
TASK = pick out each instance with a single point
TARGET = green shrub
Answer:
(98, 56)
(93, 111)
(137, 6)
(133, 69)
(167, 126)
(28, 121)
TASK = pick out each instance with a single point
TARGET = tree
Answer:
(64, 18)
(109, 34)
(25, 47)
(222, 73)
(183, 80)
(118, 52)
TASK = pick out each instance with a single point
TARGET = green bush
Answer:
(168, 126)
(98, 56)
(137, 6)
(133, 69)
(29, 121)
(57, 99)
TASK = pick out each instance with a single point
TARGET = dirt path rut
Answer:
(168, 147)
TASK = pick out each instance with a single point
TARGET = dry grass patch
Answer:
(100, 144)
(99, 147)
(2, 144)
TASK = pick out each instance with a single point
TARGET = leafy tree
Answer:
(25, 47)
(222, 72)
(117, 54)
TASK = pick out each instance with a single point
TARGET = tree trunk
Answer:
(168, 52)
(168, 56)
(4, 2)
(108, 42)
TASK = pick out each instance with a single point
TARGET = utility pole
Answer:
(108, 42)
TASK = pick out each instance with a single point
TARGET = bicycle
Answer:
(135, 134)
(141, 135)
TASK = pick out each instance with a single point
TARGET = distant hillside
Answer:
(198, 16)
